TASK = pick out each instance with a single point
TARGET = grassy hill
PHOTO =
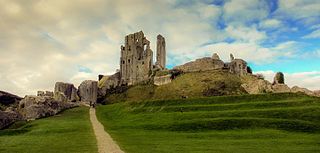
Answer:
(247, 123)
(191, 85)
(67, 132)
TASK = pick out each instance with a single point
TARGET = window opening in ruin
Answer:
(123, 62)
(142, 63)
(144, 47)
(129, 48)
(128, 60)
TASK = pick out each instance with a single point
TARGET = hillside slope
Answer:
(247, 123)
(68, 132)
(188, 85)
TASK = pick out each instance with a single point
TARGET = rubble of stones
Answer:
(47, 103)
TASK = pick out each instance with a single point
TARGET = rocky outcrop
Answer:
(215, 56)
(108, 82)
(7, 99)
(88, 91)
(59, 96)
(45, 93)
(317, 93)
(162, 80)
(278, 78)
(231, 57)
(306, 91)
(68, 90)
(238, 66)
(8, 117)
(258, 86)
(34, 107)
(280, 88)
(202, 64)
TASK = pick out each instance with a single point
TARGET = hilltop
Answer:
(198, 84)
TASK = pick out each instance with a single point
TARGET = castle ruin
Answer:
(161, 52)
(137, 66)
(235, 66)
(136, 61)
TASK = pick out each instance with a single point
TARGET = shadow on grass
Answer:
(17, 128)
(238, 123)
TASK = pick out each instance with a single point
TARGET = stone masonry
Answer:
(161, 52)
(67, 89)
(136, 59)
(236, 66)
(88, 91)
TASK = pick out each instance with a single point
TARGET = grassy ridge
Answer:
(69, 132)
(247, 123)
(192, 85)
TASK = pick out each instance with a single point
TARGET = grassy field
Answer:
(277, 123)
(67, 132)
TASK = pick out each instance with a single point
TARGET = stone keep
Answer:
(136, 59)
(88, 91)
(161, 52)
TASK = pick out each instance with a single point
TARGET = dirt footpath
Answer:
(104, 140)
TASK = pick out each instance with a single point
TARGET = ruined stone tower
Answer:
(136, 59)
(161, 52)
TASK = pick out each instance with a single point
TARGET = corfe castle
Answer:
(137, 66)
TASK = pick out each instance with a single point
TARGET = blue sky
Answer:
(42, 42)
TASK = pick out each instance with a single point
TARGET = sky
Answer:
(45, 41)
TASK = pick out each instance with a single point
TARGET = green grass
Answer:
(192, 85)
(278, 123)
(67, 132)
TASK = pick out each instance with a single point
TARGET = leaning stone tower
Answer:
(161, 52)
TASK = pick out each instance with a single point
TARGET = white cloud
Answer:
(249, 51)
(298, 9)
(309, 80)
(245, 34)
(313, 34)
(245, 11)
(46, 41)
(270, 23)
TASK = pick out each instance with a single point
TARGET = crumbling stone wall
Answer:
(88, 91)
(45, 93)
(238, 66)
(278, 78)
(136, 59)
(67, 89)
(161, 52)
(202, 64)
